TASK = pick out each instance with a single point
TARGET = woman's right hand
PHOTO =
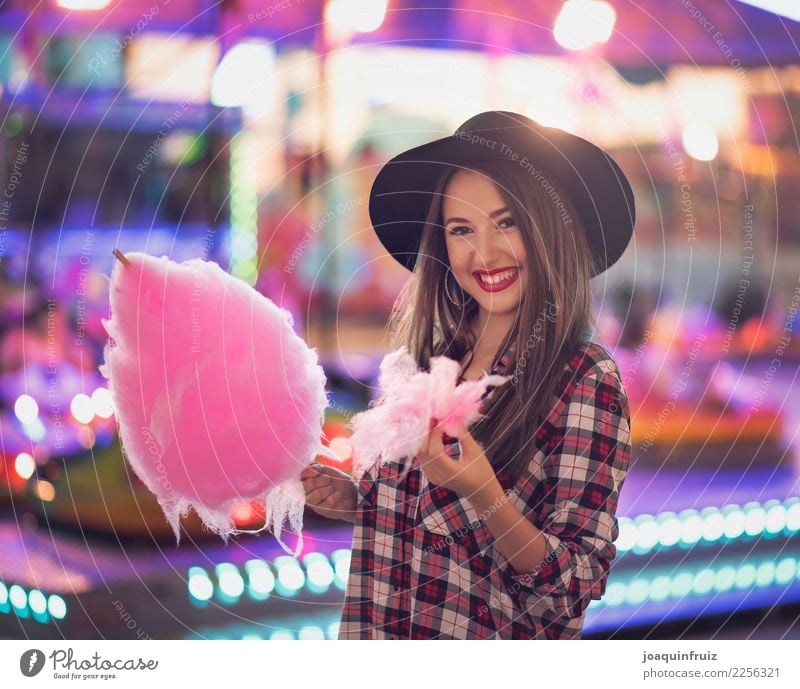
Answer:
(330, 492)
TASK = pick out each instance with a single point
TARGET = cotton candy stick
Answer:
(217, 399)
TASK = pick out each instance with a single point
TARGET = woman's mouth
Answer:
(497, 281)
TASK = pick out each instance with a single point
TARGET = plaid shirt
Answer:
(424, 564)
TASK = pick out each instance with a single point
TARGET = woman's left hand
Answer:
(470, 476)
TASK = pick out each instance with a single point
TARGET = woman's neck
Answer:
(490, 331)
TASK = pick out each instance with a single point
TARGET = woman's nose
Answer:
(488, 248)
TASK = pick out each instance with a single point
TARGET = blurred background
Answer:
(248, 133)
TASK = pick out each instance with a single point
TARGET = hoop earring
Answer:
(447, 292)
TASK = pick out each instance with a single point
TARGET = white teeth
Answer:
(497, 277)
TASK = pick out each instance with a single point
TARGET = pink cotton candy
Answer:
(410, 398)
(216, 398)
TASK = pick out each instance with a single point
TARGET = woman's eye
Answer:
(504, 223)
(454, 230)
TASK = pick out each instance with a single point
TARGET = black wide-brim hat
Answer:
(601, 194)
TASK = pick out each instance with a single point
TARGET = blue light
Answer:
(230, 581)
(18, 597)
(319, 572)
(201, 587)
(734, 522)
(647, 536)
(713, 525)
(341, 566)
(627, 535)
(660, 588)
(37, 601)
(281, 635)
(725, 578)
(793, 515)
(669, 530)
(57, 607)
(776, 518)
(755, 519)
(691, 527)
(615, 594)
(745, 577)
(644, 532)
(765, 574)
(3, 594)
(638, 591)
(704, 582)
(311, 633)
(681, 585)
(290, 575)
(785, 570)
(261, 580)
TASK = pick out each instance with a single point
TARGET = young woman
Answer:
(507, 531)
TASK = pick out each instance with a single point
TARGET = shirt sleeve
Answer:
(366, 489)
(584, 473)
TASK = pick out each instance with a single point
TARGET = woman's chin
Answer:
(498, 308)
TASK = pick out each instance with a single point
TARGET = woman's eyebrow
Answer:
(504, 209)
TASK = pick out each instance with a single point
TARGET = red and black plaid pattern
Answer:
(425, 566)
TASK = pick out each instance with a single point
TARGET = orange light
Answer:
(243, 512)
(45, 490)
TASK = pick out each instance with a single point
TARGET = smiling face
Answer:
(484, 245)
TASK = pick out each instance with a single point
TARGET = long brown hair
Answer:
(554, 318)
